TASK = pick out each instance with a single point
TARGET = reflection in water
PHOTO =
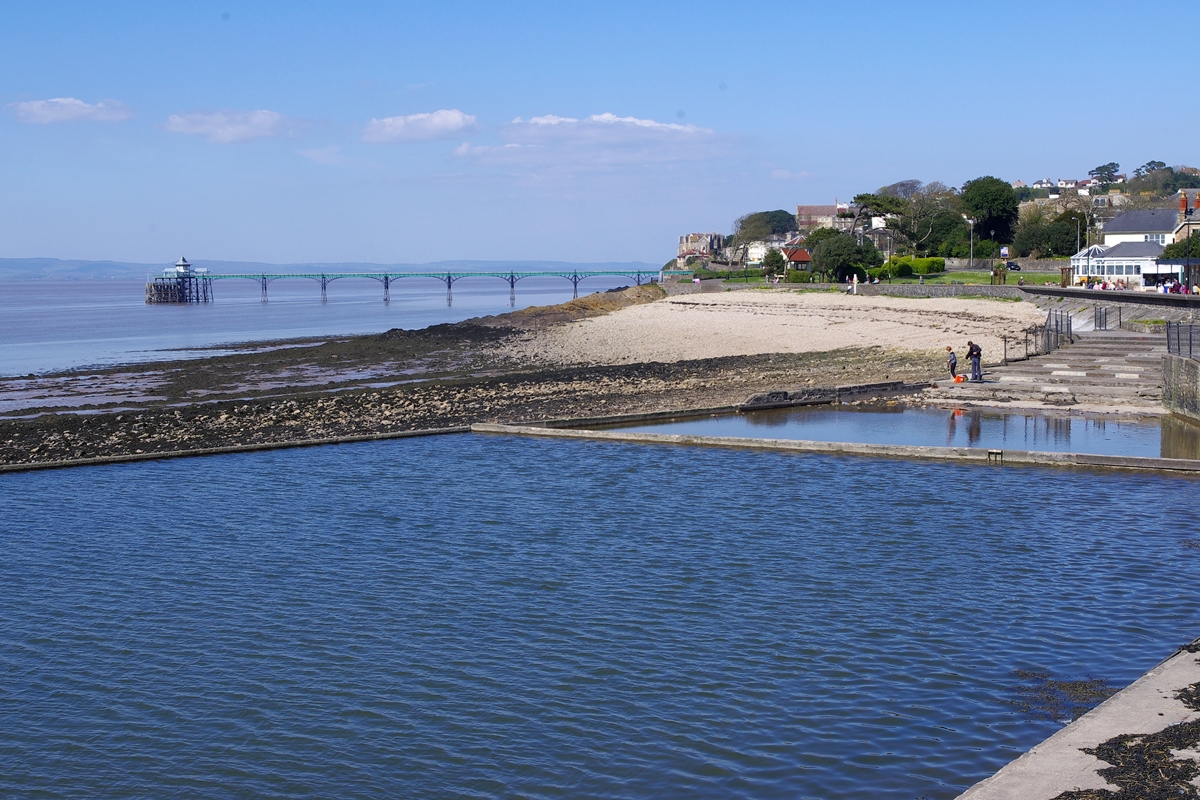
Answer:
(1180, 438)
(961, 427)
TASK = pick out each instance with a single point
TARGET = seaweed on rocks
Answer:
(1145, 766)
(1044, 696)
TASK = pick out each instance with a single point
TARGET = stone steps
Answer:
(1099, 367)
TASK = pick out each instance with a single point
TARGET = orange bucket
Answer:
(960, 378)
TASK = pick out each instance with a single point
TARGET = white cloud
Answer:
(331, 155)
(595, 143)
(549, 119)
(228, 126)
(416, 127)
(69, 109)
(612, 119)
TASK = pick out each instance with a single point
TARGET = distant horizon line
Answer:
(46, 268)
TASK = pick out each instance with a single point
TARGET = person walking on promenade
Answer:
(952, 362)
(975, 354)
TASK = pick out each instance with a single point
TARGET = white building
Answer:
(1155, 225)
(757, 251)
(1044, 183)
(1135, 263)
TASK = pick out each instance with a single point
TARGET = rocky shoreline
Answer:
(446, 376)
(514, 397)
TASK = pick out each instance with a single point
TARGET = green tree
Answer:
(835, 255)
(1179, 250)
(1149, 167)
(819, 235)
(774, 262)
(902, 189)
(993, 204)
(761, 224)
(876, 205)
(867, 255)
(1105, 173)
(915, 225)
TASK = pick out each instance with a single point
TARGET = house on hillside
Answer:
(1155, 225)
(1067, 183)
(812, 217)
(700, 243)
(757, 251)
(1187, 219)
(1018, 184)
(798, 258)
(697, 245)
(1044, 183)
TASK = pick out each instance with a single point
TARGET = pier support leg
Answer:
(387, 296)
(324, 286)
(262, 282)
(575, 285)
(449, 291)
(512, 290)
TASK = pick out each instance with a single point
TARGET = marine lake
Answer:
(1149, 436)
(484, 616)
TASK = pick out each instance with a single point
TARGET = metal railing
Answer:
(1183, 340)
(1102, 317)
(1043, 339)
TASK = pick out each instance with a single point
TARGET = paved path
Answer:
(1149, 706)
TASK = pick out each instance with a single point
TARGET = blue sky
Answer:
(393, 132)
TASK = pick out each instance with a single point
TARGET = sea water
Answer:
(470, 616)
(1150, 436)
(58, 325)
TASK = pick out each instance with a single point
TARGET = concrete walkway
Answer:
(1148, 706)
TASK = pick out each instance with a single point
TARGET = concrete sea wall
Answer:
(938, 290)
(1181, 386)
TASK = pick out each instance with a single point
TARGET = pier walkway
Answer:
(188, 286)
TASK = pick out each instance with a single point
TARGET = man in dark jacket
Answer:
(975, 354)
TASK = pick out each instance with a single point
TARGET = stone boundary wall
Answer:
(1181, 386)
(939, 290)
(1027, 264)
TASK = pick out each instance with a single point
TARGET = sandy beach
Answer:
(777, 321)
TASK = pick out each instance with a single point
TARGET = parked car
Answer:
(1014, 266)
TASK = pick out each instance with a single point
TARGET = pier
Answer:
(186, 284)
(180, 284)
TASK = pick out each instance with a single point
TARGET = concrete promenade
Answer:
(1149, 709)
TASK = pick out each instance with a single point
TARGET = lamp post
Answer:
(1187, 270)
(971, 222)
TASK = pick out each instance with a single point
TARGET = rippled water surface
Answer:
(495, 617)
(938, 427)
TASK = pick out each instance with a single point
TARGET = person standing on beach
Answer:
(975, 354)
(952, 362)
